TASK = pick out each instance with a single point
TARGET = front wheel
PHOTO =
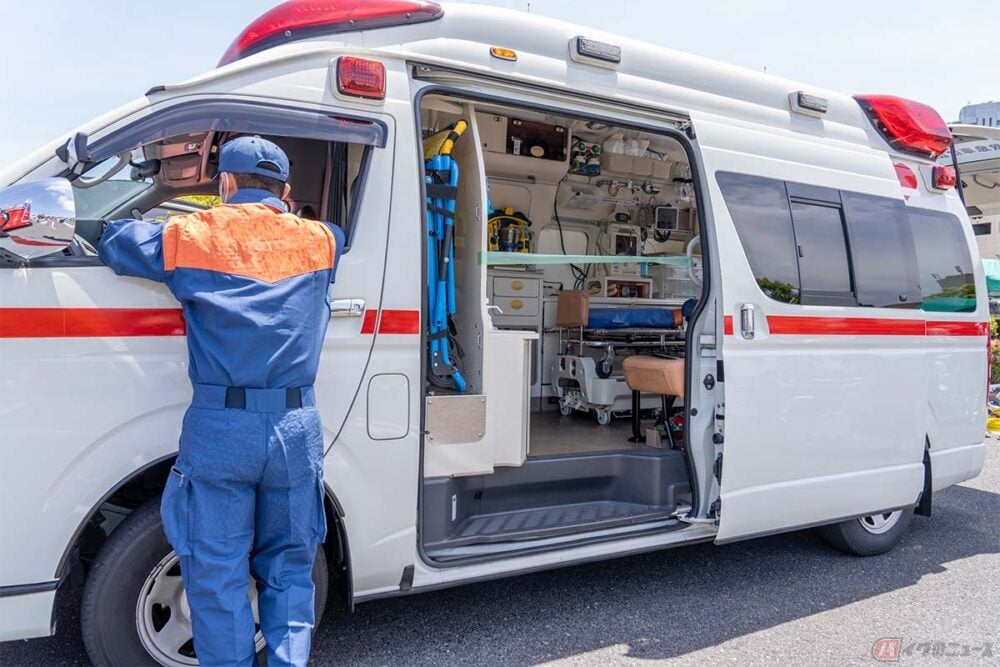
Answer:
(869, 535)
(134, 609)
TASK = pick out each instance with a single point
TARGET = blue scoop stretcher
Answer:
(441, 179)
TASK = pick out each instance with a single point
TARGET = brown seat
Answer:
(572, 312)
(653, 375)
(572, 309)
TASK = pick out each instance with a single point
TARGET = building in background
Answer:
(986, 114)
(979, 164)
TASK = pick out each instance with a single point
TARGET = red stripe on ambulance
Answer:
(863, 326)
(392, 322)
(90, 322)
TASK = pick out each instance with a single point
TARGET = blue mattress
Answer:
(631, 318)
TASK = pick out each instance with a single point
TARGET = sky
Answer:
(66, 61)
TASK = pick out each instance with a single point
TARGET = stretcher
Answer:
(591, 340)
(441, 182)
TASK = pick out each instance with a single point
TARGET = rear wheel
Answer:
(869, 535)
(134, 609)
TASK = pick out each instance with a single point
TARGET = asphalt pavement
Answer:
(784, 599)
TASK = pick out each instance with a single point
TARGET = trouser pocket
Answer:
(175, 510)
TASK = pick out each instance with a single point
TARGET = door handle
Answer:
(747, 316)
(347, 307)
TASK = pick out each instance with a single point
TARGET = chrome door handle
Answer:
(347, 307)
(747, 321)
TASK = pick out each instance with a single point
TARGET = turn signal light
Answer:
(503, 53)
(359, 77)
(908, 126)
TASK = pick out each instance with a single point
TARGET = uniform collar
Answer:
(257, 196)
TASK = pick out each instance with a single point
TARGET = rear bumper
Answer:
(26, 611)
(956, 464)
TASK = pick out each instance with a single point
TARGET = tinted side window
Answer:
(824, 266)
(885, 271)
(944, 261)
(760, 212)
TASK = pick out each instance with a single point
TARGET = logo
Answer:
(887, 650)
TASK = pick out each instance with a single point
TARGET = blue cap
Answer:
(253, 155)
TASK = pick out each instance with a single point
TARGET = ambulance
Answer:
(598, 298)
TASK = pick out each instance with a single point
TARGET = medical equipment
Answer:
(626, 241)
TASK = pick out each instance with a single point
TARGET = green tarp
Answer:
(992, 269)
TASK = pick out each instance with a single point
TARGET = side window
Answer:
(885, 269)
(944, 262)
(820, 246)
(760, 210)
(824, 265)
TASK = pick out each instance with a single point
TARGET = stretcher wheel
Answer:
(565, 409)
(604, 368)
(604, 417)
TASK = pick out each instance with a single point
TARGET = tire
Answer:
(132, 564)
(604, 368)
(565, 409)
(870, 535)
(604, 417)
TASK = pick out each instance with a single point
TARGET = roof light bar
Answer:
(906, 125)
(301, 19)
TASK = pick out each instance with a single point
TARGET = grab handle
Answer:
(347, 307)
(690, 255)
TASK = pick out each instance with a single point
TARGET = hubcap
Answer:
(876, 524)
(163, 617)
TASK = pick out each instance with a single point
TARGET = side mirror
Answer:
(37, 218)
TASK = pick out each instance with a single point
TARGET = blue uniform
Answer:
(253, 283)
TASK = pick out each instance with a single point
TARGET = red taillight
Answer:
(301, 19)
(358, 77)
(907, 125)
(944, 178)
(906, 176)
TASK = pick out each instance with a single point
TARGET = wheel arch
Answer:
(149, 480)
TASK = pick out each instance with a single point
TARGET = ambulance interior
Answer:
(574, 248)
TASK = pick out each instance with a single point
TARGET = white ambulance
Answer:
(599, 298)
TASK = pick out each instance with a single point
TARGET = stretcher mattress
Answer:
(633, 318)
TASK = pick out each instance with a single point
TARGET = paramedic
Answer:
(245, 496)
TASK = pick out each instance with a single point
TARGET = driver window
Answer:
(170, 168)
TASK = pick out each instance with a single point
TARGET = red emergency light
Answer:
(359, 77)
(944, 178)
(906, 177)
(301, 19)
(907, 125)
(16, 217)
